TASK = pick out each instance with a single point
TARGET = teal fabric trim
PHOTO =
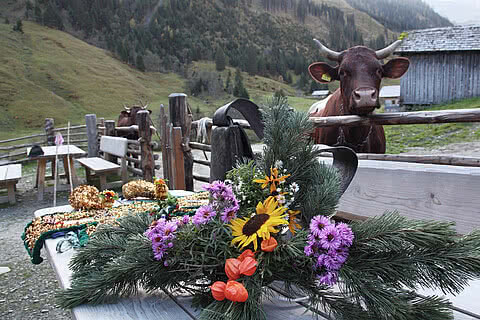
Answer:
(35, 253)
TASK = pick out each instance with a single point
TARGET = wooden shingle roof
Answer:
(457, 38)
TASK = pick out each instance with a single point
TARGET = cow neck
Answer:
(342, 140)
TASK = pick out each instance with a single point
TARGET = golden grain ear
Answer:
(322, 72)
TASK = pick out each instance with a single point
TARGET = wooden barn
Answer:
(444, 65)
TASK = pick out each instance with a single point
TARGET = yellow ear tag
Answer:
(326, 77)
(403, 35)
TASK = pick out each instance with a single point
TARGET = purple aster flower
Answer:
(346, 234)
(203, 215)
(332, 261)
(329, 278)
(320, 261)
(317, 224)
(162, 235)
(330, 238)
(228, 214)
(185, 219)
(308, 250)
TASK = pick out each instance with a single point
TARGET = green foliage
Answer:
(287, 141)
(401, 15)
(220, 60)
(139, 63)
(239, 89)
(18, 26)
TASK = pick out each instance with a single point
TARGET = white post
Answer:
(68, 157)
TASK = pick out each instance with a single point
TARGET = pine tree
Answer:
(220, 60)
(251, 62)
(139, 63)
(18, 26)
(239, 90)
(228, 84)
(51, 18)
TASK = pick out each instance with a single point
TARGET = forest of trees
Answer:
(401, 15)
(166, 35)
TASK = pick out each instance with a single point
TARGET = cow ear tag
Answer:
(326, 77)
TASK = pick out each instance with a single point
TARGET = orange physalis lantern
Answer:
(236, 292)
(218, 290)
(232, 268)
(269, 245)
(248, 266)
(246, 253)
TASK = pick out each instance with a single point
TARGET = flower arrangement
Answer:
(161, 188)
(273, 221)
(108, 198)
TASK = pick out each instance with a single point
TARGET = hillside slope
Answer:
(49, 73)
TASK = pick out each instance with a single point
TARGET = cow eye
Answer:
(379, 73)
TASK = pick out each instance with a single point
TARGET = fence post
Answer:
(165, 146)
(145, 133)
(49, 126)
(109, 128)
(180, 116)
(91, 122)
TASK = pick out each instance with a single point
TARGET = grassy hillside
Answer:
(49, 73)
(400, 138)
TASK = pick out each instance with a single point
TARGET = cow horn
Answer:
(330, 54)
(385, 52)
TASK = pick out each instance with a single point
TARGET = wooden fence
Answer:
(418, 186)
(17, 153)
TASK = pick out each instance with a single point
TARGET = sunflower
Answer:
(268, 216)
(292, 225)
(273, 180)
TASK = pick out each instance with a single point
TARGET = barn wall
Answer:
(434, 78)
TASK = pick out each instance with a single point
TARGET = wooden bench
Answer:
(9, 176)
(110, 146)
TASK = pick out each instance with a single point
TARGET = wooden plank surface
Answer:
(395, 118)
(114, 145)
(49, 152)
(417, 191)
(10, 172)
(144, 306)
(98, 164)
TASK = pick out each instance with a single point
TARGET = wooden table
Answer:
(160, 306)
(9, 176)
(65, 152)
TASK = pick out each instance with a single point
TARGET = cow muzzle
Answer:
(365, 99)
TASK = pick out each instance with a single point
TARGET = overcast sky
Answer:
(457, 11)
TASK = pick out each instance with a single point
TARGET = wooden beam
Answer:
(145, 134)
(200, 146)
(91, 122)
(421, 117)
(49, 131)
(201, 178)
(165, 146)
(204, 162)
(181, 116)
(179, 162)
(412, 158)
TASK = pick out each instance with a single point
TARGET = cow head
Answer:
(360, 72)
(128, 116)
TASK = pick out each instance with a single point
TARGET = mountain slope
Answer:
(48, 73)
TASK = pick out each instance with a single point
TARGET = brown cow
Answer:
(127, 118)
(360, 73)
